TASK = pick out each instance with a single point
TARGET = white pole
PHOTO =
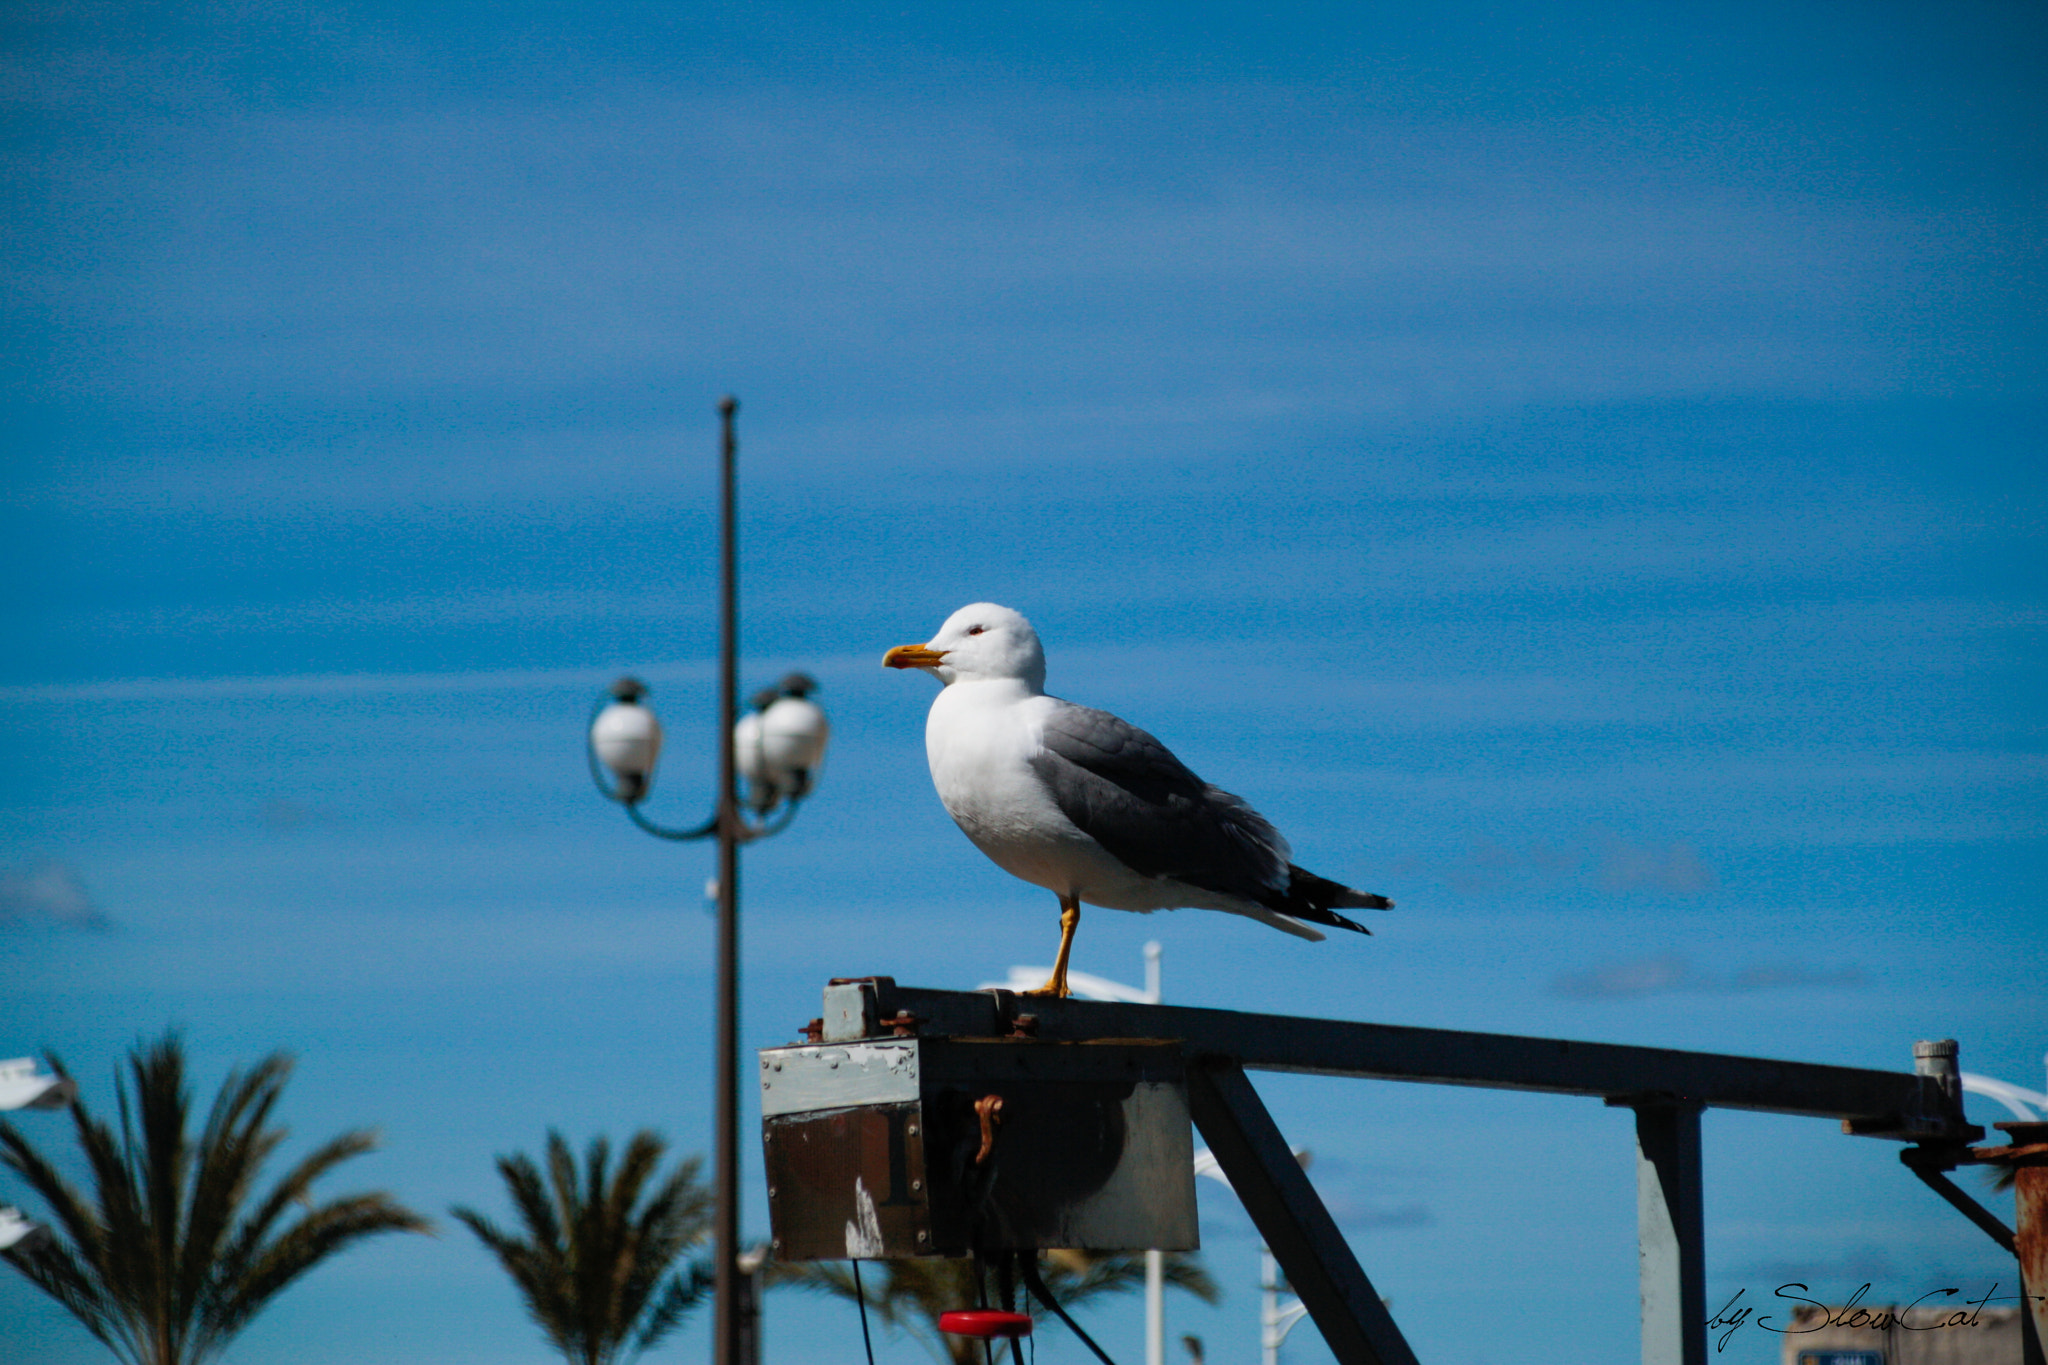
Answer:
(1155, 1261)
(1269, 1308)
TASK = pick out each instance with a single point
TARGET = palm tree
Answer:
(172, 1255)
(911, 1294)
(591, 1264)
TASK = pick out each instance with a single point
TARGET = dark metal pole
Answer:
(726, 1319)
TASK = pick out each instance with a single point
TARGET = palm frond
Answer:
(682, 1292)
(166, 1261)
(53, 1269)
(293, 1189)
(322, 1232)
(593, 1258)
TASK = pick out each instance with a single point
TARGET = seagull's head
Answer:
(977, 643)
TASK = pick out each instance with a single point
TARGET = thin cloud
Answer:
(45, 894)
(1671, 868)
(1671, 974)
(1605, 860)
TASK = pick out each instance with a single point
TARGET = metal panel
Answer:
(1290, 1216)
(1670, 1234)
(837, 1077)
(848, 1183)
(977, 1144)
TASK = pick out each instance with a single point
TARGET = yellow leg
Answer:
(1070, 919)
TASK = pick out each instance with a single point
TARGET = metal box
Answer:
(897, 1147)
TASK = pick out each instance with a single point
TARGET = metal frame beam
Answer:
(1667, 1089)
(1330, 1047)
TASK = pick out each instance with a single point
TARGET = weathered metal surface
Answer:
(2028, 1150)
(867, 1006)
(918, 1147)
(1670, 1234)
(850, 1010)
(830, 1077)
(848, 1183)
(1935, 1112)
(1439, 1056)
(2031, 1193)
(1290, 1216)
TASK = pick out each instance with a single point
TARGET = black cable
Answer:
(860, 1297)
(1006, 1290)
(988, 1352)
(1036, 1283)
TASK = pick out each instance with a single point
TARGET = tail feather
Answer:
(1313, 899)
(1286, 924)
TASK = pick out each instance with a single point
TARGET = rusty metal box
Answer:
(896, 1147)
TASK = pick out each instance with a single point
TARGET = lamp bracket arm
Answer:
(703, 831)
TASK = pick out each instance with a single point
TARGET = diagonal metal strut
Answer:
(1291, 1217)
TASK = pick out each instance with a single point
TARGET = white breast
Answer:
(979, 739)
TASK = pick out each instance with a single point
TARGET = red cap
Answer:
(985, 1323)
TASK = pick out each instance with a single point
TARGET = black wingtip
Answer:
(1311, 898)
(1310, 913)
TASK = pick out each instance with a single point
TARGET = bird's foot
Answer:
(1070, 919)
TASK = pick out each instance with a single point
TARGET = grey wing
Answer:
(1127, 791)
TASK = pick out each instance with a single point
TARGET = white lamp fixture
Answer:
(780, 744)
(18, 1234)
(626, 738)
(23, 1087)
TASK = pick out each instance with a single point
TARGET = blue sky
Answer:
(1578, 469)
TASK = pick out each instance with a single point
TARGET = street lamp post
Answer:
(779, 749)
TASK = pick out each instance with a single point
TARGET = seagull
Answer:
(1091, 807)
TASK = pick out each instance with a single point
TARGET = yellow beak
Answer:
(913, 656)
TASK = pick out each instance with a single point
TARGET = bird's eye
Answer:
(976, 630)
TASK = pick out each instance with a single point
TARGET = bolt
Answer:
(915, 1185)
(923, 1236)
